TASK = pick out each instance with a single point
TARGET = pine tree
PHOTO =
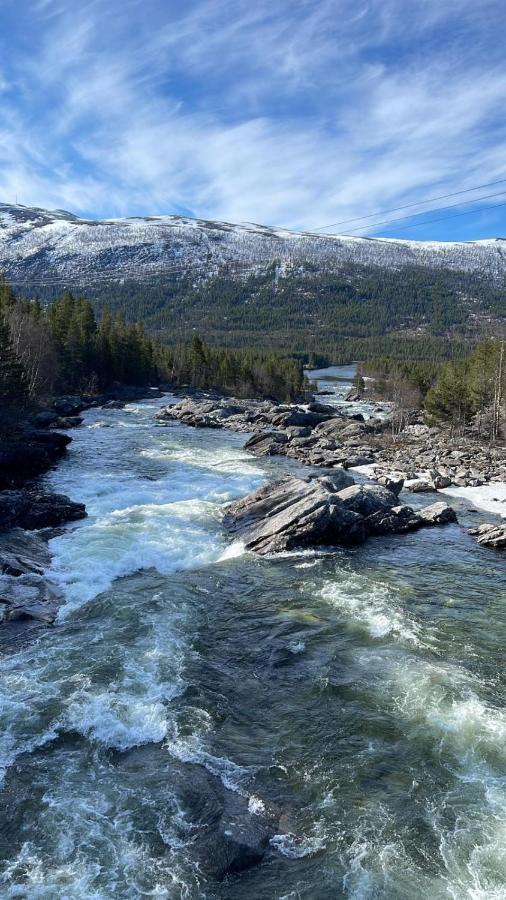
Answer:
(13, 384)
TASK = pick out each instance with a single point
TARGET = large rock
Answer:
(25, 592)
(294, 513)
(22, 553)
(69, 406)
(397, 520)
(367, 499)
(267, 443)
(37, 509)
(28, 597)
(235, 840)
(29, 454)
(488, 535)
(437, 514)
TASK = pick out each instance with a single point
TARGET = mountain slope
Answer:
(37, 244)
(240, 284)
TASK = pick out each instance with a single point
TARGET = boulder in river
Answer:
(488, 535)
(437, 514)
(29, 454)
(295, 512)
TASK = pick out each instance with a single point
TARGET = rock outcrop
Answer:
(25, 591)
(29, 454)
(318, 435)
(33, 508)
(493, 536)
(295, 513)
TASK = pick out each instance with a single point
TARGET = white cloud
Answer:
(296, 114)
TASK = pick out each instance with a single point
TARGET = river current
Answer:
(360, 693)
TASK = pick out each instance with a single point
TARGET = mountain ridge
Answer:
(60, 248)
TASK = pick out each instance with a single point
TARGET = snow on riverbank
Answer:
(490, 497)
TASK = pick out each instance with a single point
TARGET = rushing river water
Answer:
(359, 693)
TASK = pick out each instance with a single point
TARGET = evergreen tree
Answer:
(13, 384)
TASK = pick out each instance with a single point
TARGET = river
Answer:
(360, 693)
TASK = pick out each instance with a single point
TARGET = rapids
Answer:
(359, 693)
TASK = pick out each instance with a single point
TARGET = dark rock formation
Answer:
(29, 454)
(34, 508)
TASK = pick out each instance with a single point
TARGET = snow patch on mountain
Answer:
(53, 247)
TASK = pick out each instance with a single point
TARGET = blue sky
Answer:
(287, 112)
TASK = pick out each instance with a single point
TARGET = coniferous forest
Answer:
(62, 347)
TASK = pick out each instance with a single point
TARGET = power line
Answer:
(382, 212)
(454, 216)
(436, 209)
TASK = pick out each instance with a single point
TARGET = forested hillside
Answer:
(62, 347)
(359, 312)
(336, 297)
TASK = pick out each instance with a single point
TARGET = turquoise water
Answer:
(360, 694)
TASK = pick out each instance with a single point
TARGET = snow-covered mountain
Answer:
(42, 249)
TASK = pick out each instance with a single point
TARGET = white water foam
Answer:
(375, 607)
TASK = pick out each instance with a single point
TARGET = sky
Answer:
(296, 113)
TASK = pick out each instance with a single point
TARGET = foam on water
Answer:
(374, 606)
(148, 506)
(441, 707)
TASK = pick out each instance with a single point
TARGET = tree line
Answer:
(458, 392)
(62, 347)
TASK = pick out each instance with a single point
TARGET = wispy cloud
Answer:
(291, 113)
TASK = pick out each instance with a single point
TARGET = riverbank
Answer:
(318, 434)
(30, 514)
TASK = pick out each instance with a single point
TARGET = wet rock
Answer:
(25, 592)
(437, 514)
(114, 404)
(22, 553)
(493, 536)
(68, 406)
(235, 841)
(293, 513)
(28, 596)
(45, 418)
(29, 454)
(324, 408)
(267, 443)
(397, 520)
(37, 509)
(69, 422)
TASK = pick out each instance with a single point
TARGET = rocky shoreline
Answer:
(421, 459)
(29, 514)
